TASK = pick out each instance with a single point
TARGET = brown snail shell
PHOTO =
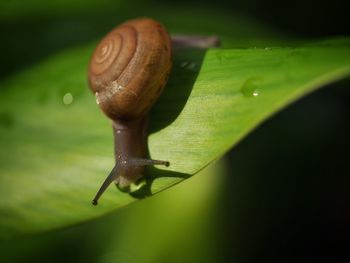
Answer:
(130, 67)
(127, 73)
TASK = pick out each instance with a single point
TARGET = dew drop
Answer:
(255, 93)
(188, 65)
(183, 64)
(68, 98)
(250, 87)
(191, 66)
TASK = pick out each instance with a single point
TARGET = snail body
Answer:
(127, 73)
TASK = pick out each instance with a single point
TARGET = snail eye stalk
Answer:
(113, 175)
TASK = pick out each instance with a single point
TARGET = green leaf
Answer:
(56, 145)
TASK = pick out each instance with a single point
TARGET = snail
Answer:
(127, 73)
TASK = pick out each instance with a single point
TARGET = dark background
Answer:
(290, 180)
(290, 184)
(46, 28)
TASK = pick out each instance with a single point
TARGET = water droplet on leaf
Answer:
(68, 99)
(183, 64)
(191, 66)
(250, 87)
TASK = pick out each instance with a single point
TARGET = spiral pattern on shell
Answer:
(129, 68)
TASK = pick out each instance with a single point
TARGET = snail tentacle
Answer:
(145, 162)
(113, 175)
